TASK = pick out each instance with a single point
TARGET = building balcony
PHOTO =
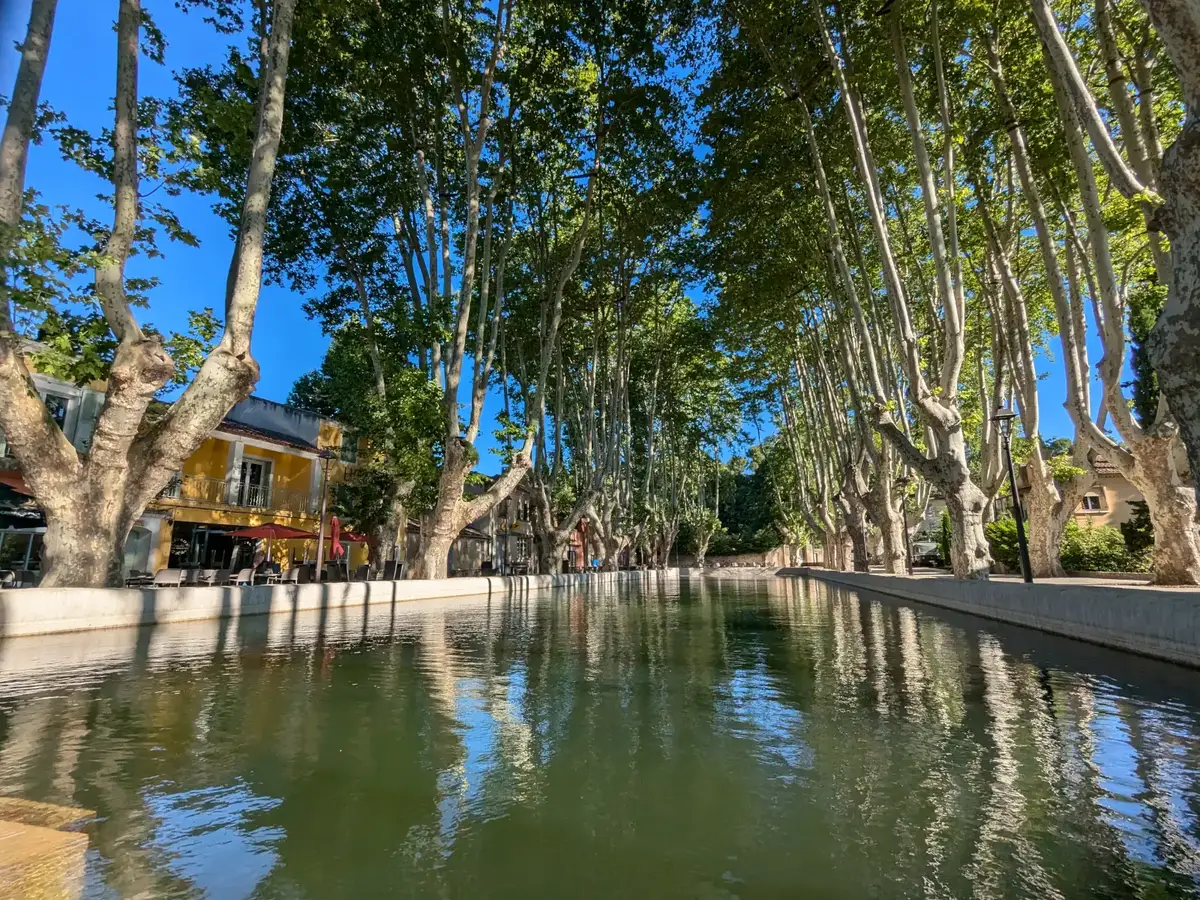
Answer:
(198, 490)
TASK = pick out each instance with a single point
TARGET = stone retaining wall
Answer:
(27, 611)
(1164, 624)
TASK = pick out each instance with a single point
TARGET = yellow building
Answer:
(262, 465)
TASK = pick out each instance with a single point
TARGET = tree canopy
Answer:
(645, 229)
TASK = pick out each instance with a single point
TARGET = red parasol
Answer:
(272, 532)
(336, 550)
(353, 537)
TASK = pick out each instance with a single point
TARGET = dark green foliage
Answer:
(944, 535)
(1099, 549)
(1138, 532)
(1002, 540)
(364, 498)
(403, 429)
(1145, 303)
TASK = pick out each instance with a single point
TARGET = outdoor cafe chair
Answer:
(291, 576)
(244, 577)
(167, 578)
(363, 573)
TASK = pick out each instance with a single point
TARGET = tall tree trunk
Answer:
(854, 515)
(1174, 344)
(948, 468)
(1148, 458)
(451, 513)
(441, 524)
(883, 514)
(1043, 503)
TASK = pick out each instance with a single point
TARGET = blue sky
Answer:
(79, 82)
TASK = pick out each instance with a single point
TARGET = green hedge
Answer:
(1087, 548)
(1002, 539)
(1099, 548)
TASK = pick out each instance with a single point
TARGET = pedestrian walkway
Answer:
(1075, 580)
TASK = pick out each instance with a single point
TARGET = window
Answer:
(522, 547)
(254, 485)
(57, 404)
(1091, 503)
(348, 451)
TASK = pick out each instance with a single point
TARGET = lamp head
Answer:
(1004, 418)
(326, 454)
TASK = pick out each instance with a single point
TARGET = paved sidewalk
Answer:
(1077, 580)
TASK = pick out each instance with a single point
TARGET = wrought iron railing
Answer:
(199, 489)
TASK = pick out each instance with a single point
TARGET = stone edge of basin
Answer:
(32, 611)
(1161, 624)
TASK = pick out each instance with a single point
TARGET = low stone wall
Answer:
(27, 611)
(1163, 624)
(775, 557)
(739, 573)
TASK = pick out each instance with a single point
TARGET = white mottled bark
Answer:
(948, 467)
(1148, 457)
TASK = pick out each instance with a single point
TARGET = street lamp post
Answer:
(903, 482)
(1004, 418)
(326, 455)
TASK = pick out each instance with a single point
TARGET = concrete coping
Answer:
(29, 611)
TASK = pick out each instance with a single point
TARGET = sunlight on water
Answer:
(703, 739)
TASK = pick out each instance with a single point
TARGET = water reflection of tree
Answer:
(666, 737)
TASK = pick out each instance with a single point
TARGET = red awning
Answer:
(14, 482)
(272, 532)
(353, 537)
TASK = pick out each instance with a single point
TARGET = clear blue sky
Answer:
(79, 82)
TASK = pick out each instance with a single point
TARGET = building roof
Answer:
(266, 434)
(1102, 466)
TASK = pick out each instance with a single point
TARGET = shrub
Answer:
(1099, 549)
(944, 537)
(1138, 531)
(1002, 541)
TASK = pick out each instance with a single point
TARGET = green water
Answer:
(766, 739)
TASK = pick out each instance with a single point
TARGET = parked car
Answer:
(927, 553)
